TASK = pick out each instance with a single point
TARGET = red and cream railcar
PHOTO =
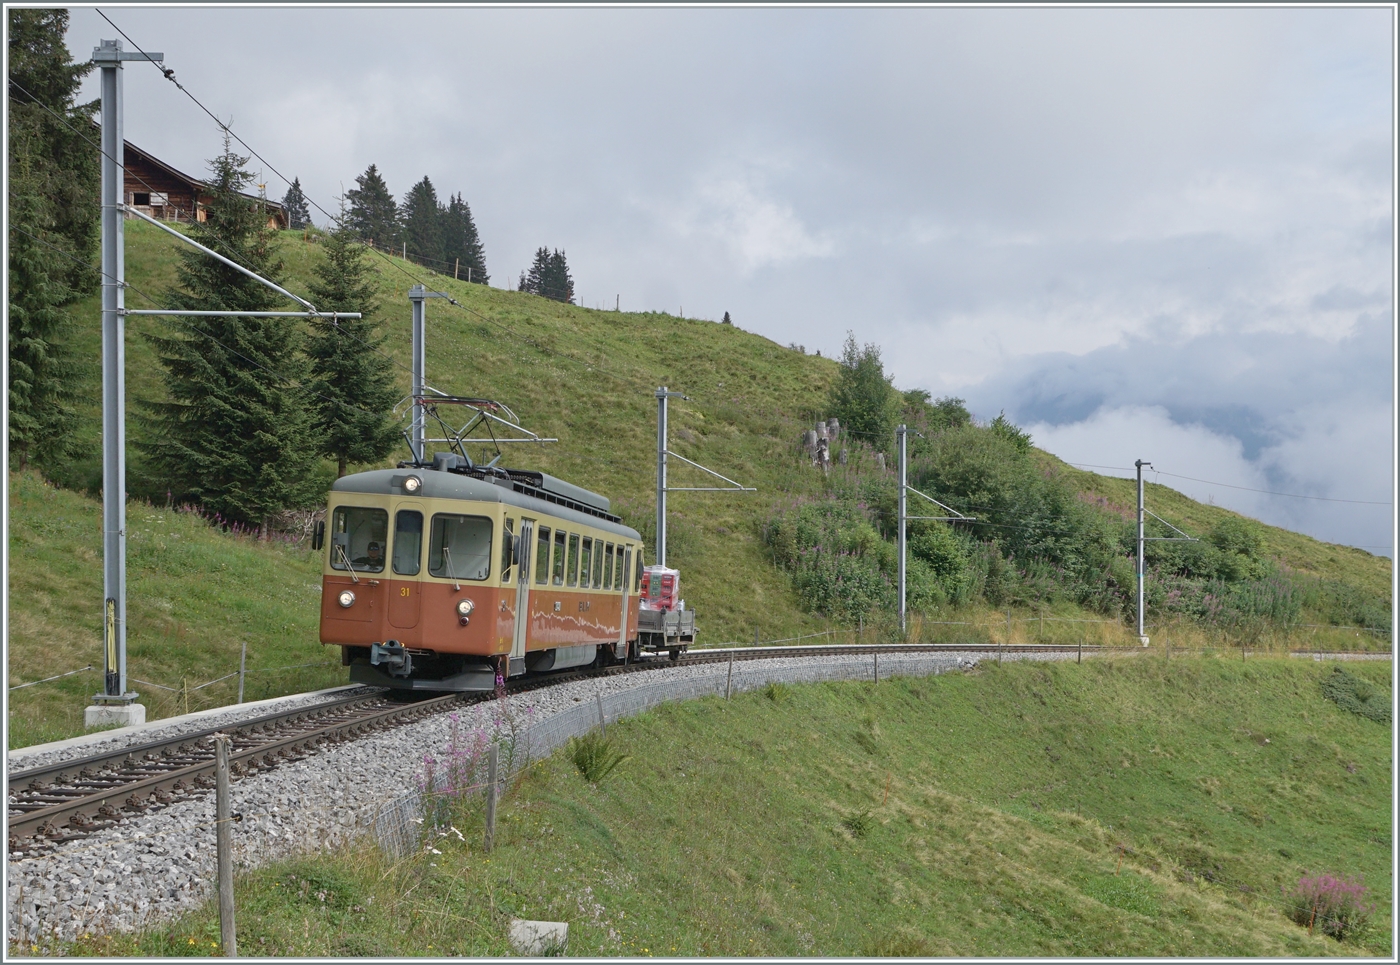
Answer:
(441, 578)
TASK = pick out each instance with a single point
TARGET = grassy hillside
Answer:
(1120, 808)
(195, 596)
(582, 375)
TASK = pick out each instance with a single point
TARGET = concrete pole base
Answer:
(1144, 640)
(107, 715)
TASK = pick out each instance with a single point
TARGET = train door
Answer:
(526, 542)
(405, 598)
(625, 577)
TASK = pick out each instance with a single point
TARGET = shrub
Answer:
(776, 692)
(1357, 695)
(1335, 906)
(860, 823)
(594, 756)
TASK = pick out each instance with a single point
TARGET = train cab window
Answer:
(573, 559)
(559, 537)
(637, 577)
(602, 569)
(542, 556)
(586, 566)
(507, 545)
(358, 535)
(460, 547)
(408, 542)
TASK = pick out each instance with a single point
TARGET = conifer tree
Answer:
(462, 245)
(294, 203)
(533, 280)
(726, 319)
(373, 214)
(559, 284)
(422, 218)
(352, 386)
(53, 209)
(234, 432)
(549, 276)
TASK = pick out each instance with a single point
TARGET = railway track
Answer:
(50, 805)
(62, 802)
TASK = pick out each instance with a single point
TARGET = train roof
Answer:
(535, 491)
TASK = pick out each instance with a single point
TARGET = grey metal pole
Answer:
(1141, 564)
(903, 433)
(113, 377)
(416, 295)
(661, 395)
(224, 845)
(242, 668)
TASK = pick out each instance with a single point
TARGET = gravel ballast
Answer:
(153, 867)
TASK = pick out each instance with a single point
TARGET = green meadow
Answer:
(1126, 807)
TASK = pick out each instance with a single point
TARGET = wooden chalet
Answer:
(156, 189)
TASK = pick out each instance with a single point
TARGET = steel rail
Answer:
(79, 816)
(64, 770)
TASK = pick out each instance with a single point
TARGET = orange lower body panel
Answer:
(424, 616)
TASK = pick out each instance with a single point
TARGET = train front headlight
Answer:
(347, 598)
(412, 484)
(464, 611)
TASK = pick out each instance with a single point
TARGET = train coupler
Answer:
(392, 657)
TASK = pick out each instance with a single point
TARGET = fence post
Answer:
(602, 720)
(1080, 657)
(242, 665)
(224, 838)
(755, 636)
(729, 677)
(877, 666)
(492, 760)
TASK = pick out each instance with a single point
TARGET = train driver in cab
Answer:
(373, 558)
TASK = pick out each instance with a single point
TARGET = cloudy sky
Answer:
(1162, 234)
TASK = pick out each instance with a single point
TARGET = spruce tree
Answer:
(352, 383)
(234, 432)
(65, 168)
(726, 319)
(549, 276)
(559, 284)
(422, 217)
(462, 245)
(52, 210)
(373, 214)
(294, 203)
(533, 281)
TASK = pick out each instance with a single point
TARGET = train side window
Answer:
(408, 542)
(637, 587)
(607, 583)
(618, 571)
(627, 571)
(598, 564)
(573, 559)
(460, 547)
(358, 535)
(542, 556)
(586, 566)
(559, 538)
(507, 546)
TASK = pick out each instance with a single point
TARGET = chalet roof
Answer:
(132, 149)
